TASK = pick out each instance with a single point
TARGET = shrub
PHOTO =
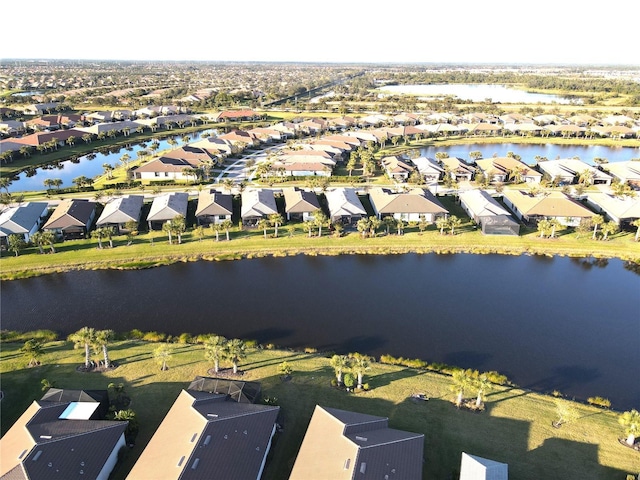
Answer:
(365, 386)
(599, 402)
(270, 346)
(251, 343)
(498, 378)
(10, 336)
(135, 334)
(154, 337)
(185, 338)
(285, 368)
(310, 350)
(348, 380)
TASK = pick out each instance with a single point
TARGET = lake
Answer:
(547, 323)
(477, 93)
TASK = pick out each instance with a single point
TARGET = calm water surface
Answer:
(548, 323)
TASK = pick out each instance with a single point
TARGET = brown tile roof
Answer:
(552, 204)
(300, 201)
(416, 201)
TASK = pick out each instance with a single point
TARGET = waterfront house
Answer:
(72, 219)
(412, 206)
(304, 163)
(429, 169)
(531, 207)
(213, 207)
(397, 169)
(209, 434)
(300, 205)
(344, 205)
(487, 212)
(63, 435)
(23, 220)
(216, 146)
(622, 210)
(503, 169)
(569, 170)
(120, 211)
(458, 169)
(256, 205)
(625, 172)
(477, 468)
(344, 445)
(236, 116)
(177, 164)
(166, 207)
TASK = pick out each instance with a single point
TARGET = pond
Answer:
(86, 166)
(477, 93)
(547, 323)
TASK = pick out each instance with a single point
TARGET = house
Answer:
(60, 137)
(300, 205)
(458, 169)
(340, 444)
(177, 164)
(531, 207)
(241, 138)
(213, 207)
(569, 170)
(428, 168)
(24, 220)
(236, 116)
(478, 468)
(502, 169)
(484, 129)
(344, 206)
(166, 207)
(397, 169)
(209, 434)
(12, 127)
(40, 108)
(216, 146)
(304, 163)
(256, 205)
(622, 210)
(488, 213)
(63, 436)
(413, 206)
(625, 172)
(71, 219)
(125, 127)
(120, 211)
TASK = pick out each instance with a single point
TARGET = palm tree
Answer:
(400, 226)
(586, 177)
(84, 338)
(364, 227)
(320, 220)
(48, 238)
(360, 364)
(554, 223)
(309, 227)
(544, 226)
(179, 226)
(442, 223)
(236, 351)
(636, 223)
(162, 354)
(631, 421)
(340, 363)
(461, 382)
(32, 350)
(482, 385)
(454, 222)
(595, 221)
(108, 170)
(37, 240)
(217, 228)
(101, 342)
(227, 224)
(389, 222)
(100, 233)
(56, 182)
(374, 224)
(214, 350)
(263, 223)
(16, 243)
(275, 219)
(166, 227)
(609, 228)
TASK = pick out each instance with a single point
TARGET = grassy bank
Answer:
(152, 248)
(515, 428)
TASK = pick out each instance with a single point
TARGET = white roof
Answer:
(122, 210)
(482, 204)
(344, 202)
(571, 167)
(258, 203)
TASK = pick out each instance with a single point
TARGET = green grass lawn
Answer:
(515, 428)
(152, 248)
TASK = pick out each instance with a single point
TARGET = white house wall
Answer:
(112, 460)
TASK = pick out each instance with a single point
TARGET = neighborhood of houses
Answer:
(216, 428)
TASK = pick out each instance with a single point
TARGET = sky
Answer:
(349, 31)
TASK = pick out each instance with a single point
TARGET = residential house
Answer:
(614, 131)
(625, 172)
(341, 123)
(213, 207)
(176, 164)
(237, 116)
(503, 169)
(488, 129)
(397, 169)
(209, 434)
(256, 205)
(304, 163)
(23, 220)
(125, 127)
(12, 127)
(216, 146)
(443, 129)
(487, 212)
(120, 211)
(40, 108)
(478, 468)
(429, 169)
(166, 207)
(62, 436)
(300, 205)
(340, 444)
(566, 130)
(531, 207)
(41, 138)
(458, 169)
(72, 219)
(344, 206)
(241, 138)
(355, 142)
(569, 170)
(412, 206)
(267, 135)
(622, 210)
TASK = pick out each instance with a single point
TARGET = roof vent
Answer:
(45, 437)
(347, 463)
(194, 437)
(245, 432)
(81, 472)
(22, 454)
(226, 437)
(195, 464)
(362, 439)
(212, 415)
(37, 455)
(207, 440)
(180, 461)
(363, 467)
(257, 449)
(82, 464)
